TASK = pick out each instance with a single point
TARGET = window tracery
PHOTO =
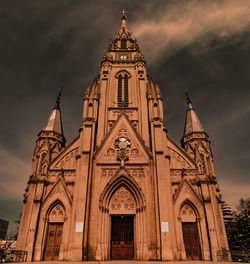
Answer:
(122, 200)
(57, 213)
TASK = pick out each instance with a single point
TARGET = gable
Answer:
(179, 158)
(58, 191)
(110, 149)
(66, 159)
(186, 192)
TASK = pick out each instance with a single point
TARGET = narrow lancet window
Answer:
(122, 93)
(126, 90)
(119, 99)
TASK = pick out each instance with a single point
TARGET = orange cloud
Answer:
(178, 26)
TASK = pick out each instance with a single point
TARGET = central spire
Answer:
(123, 31)
(123, 14)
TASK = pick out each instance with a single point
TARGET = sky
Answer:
(203, 45)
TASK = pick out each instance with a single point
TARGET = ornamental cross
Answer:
(124, 12)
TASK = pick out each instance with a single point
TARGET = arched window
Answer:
(123, 44)
(119, 90)
(122, 95)
(126, 90)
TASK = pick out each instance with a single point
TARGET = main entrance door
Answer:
(191, 241)
(54, 238)
(122, 237)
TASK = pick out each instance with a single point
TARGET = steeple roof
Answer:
(123, 27)
(54, 122)
(192, 123)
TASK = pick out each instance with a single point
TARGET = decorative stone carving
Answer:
(110, 152)
(122, 200)
(57, 214)
(134, 152)
(135, 172)
(183, 172)
(58, 189)
(187, 210)
(68, 161)
(178, 158)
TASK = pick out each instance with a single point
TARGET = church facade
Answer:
(122, 189)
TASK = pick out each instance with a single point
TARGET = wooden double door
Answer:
(191, 241)
(53, 241)
(122, 237)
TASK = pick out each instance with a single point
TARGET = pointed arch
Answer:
(123, 73)
(116, 183)
(119, 93)
(188, 212)
(126, 90)
(56, 212)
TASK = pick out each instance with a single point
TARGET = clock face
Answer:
(123, 57)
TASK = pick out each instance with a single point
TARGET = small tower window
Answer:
(122, 95)
(126, 90)
(119, 99)
(123, 44)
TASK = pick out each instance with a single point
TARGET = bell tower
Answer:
(123, 84)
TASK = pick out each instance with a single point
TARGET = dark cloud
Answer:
(44, 44)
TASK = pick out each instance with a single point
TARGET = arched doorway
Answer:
(122, 211)
(190, 232)
(54, 232)
(122, 220)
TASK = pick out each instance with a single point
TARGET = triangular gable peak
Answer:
(186, 192)
(179, 158)
(58, 191)
(66, 159)
(135, 149)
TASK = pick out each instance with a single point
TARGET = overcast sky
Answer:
(202, 45)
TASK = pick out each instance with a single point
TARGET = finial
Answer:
(187, 96)
(57, 105)
(123, 12)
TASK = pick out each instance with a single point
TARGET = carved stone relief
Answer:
(68, 161)
(187, 210)
(188, 214)
(122, 200)
(57, 214)
(181, 172)
(110, 172)
(178, 158)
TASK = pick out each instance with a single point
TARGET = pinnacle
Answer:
(192, 123)
(54, 122)
(57, 105)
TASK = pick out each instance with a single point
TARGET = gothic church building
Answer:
(122, 189)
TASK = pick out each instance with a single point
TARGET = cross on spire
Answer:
(57, 105)
(187, 96)
(123, 12)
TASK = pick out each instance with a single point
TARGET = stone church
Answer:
(123, 188)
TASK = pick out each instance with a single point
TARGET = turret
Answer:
(155, 104)
(91, 101)
(50, 141)
(196, 141)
